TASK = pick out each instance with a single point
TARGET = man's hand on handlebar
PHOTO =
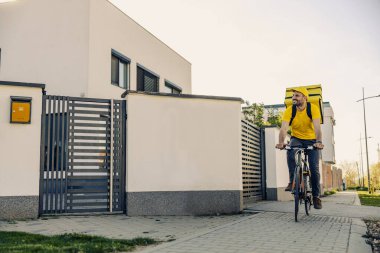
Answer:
(280, 145)
(318, 145)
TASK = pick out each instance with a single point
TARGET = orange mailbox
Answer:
(21, 109)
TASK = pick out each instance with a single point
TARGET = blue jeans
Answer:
(313, 157)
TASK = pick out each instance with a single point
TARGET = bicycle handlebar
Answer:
(288, 147)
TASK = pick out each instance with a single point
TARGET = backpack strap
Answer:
(308, 110)
(294, 111)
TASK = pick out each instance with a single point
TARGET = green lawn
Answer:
(369, 199)
(25, 242)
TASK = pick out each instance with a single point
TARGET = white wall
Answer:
(276, 166)
(20, 145)
(328, 152)
(110, 29)
(46, 41)
(183, 144)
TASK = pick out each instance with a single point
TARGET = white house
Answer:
(86, 48)
(181, 153)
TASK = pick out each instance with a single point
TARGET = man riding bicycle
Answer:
(305, 132)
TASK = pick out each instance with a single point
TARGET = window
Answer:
(119, 70)
(146, 80)
(172, 88)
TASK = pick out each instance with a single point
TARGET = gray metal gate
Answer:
(252, 159)
(82, 155)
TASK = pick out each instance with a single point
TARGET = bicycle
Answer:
(301, 185)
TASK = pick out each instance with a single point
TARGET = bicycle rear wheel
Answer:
(296, 193)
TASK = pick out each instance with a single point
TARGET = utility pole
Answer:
(366, 145)
(365, 136)
(361, 159)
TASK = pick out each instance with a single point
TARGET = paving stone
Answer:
(271, 230)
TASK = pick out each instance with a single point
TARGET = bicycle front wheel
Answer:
(307, 195)
(297, 187)
(307, 205)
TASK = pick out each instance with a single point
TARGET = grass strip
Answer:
(367, 199)
(26, 242)
(327, 193)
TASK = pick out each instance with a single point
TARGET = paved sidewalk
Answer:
(120, 226)
(336, 228)
(265, 227)
(345, 204)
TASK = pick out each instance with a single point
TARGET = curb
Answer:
(356, 242)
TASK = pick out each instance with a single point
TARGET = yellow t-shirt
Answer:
(302, 125)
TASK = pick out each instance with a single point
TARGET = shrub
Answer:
(327, 193)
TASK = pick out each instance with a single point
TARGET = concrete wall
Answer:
(183, 155)
(19, 156)
(277, 175)
(46, 41)
(110, 29)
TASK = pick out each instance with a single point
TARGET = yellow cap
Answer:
(302, 90)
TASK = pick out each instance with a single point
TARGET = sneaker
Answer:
(289, 187)
(317, 203)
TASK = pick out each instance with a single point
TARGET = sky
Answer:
(254, 49)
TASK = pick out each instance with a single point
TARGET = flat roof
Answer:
(32, 85)
(182, 95)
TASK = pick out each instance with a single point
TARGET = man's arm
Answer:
(282, 135)
(318, 133)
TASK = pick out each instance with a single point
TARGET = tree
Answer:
(350, 172)
(254, 113)
(274, 117)
(375, 175)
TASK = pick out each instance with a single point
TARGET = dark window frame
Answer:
(143, 72)
(121, 60)
(173, 87)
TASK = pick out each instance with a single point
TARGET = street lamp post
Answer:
(361, 158)
(365, 133)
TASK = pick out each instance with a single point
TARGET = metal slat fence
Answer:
(83, 155)
(251, 162)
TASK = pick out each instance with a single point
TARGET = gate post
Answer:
(263, 164)
(42, 154)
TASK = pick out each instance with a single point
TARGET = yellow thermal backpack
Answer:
(315, 97)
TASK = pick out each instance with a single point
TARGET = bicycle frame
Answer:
(301, 188)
